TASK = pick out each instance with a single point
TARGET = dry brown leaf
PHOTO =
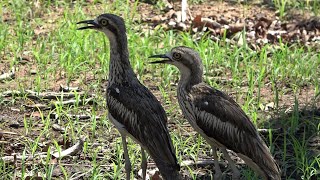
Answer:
(156, 176)
(197, 21)
(234, 28)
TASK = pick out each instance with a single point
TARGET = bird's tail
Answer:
(262, 161)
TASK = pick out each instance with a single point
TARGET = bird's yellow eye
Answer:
(176, 56)
(104, 22)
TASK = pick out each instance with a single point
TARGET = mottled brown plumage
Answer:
(133, 109)
(218, 118)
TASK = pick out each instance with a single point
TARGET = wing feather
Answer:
(220, 117)
(143, 117)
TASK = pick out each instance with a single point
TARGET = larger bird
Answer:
(217, 117)
(133, 109)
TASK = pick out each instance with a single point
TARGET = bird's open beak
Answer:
(166, 58)
(90, 25)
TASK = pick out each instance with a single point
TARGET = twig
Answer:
(79, 176)
(19, 157)
(55, 103)
(45, 95)
(10, 93)
(68, 89)
(7, 132)
(74, 116)
(2, 133)
(37, 106)
(89, 166)
(72, 102)
(68, 152)
(9, 75)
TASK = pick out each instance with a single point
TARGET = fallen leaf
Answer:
(156, 176)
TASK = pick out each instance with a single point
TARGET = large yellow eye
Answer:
(104, 22)
(176, 56)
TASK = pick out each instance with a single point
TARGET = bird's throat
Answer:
(188, 78)
(119, 67)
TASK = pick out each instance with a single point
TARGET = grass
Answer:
(46, 35)
(284, 5)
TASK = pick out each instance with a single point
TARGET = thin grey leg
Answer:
(126, 157)
(235, 172)
(143, 164)
(217, 170)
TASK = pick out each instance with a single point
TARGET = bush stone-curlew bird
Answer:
(218, 118)
(133, 109)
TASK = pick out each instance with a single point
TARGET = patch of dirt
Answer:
(222, 19)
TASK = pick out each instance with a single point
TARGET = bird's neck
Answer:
(189, 77)
(120, 70)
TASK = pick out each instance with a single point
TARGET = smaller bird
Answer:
(218, 118)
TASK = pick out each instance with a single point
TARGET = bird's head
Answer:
(112, 25)
(184, 58)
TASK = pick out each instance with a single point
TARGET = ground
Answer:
(265, 58)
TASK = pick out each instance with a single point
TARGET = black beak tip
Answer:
(161, 62)
(162, 56)
(154, 62)
(90, 25)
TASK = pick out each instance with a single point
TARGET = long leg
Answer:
(143, 164)
(236, 173)
(126, 157)
(217, 173)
